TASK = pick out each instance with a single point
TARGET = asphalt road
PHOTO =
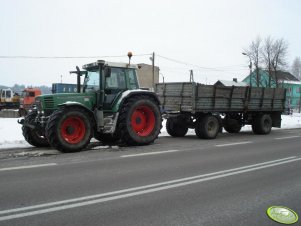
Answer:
(231, 180)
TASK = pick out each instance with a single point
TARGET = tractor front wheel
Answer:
(69, 130)
(33, 136)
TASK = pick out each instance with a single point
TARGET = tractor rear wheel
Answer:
(69, 129)
(32, 135)
(207, 127)
(139, 121)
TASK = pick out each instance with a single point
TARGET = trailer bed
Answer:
(194, 97)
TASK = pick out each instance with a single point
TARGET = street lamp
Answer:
(162, 76)
(250, 66)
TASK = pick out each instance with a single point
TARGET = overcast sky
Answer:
(209, 34)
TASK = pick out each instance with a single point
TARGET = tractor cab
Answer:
(109, 80)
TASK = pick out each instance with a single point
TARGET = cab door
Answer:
(115, 85)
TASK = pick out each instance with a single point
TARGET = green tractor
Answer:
(109, 106)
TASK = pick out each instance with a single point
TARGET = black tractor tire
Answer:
(106, 137)
(207, 127)
(33, 136)
(69, 129)
(262, 124)
(139, 121)
(232, 125)
(175, 127)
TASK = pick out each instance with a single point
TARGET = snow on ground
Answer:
(11, 132)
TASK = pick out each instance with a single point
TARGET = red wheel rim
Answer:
(143, 121)
(73, 130)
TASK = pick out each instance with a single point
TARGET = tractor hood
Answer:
(53, 101)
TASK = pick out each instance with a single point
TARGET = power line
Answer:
(197, 66)
(64, 57)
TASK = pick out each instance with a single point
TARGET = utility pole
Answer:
(191, 79)
(300, 100)
(152, 58)
(61, 78)
(250, 66)
(162, 77)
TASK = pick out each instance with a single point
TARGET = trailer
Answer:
(209, 108)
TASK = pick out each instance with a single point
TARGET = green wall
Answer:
(293, 90)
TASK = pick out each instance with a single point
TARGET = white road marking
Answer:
(27, 167)
(148, 153)
(282, 138)
(83, 201)
(230, 144)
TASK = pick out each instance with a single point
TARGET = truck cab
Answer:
(27, 99)
(9, 99)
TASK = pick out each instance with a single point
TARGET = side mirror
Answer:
(107, 72)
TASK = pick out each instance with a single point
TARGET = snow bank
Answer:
(11, 132)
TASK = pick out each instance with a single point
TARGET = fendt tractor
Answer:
(109, 106)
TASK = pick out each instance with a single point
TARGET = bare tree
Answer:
(267, 55)
(296, 67)
(279, 61)
(254, 53)
(274, 54)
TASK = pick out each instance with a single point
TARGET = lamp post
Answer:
(162, 77)
(152, 58)
(250, 66)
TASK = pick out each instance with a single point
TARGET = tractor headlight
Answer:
(38, 104)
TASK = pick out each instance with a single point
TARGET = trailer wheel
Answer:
(207, 127)
(139, 121)
(262, 124)
(232, 125)
(33, 136)
(175, 128)
(106, 137)
(69, 129)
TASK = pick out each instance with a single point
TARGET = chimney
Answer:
(235, 80)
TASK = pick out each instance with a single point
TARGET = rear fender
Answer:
(131, 93)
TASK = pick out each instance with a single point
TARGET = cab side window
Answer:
(133, 79)
(116, 79)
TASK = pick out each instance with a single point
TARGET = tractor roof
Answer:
(111, 64)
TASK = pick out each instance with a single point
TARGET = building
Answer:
(285, 80)
(145, 75)
(230, 83)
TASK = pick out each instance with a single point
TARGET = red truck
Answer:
(27, 99)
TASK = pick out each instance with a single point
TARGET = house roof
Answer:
(230, 83)
(283, 75)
